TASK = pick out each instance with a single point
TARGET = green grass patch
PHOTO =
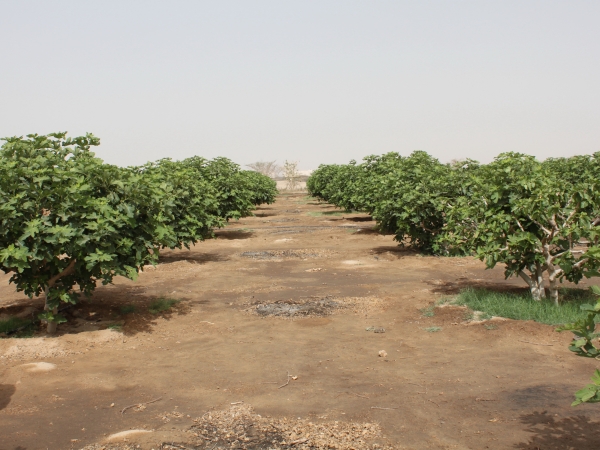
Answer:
(305, 200)
(115, 326)
(523, 307)
(429, 311)
(12, 323)
(433, 329)
(127, 309)
(162, 304)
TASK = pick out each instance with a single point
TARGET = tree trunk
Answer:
(536, 283)
(51, 324)
(553, 274)
(554, 290)
(537, 292)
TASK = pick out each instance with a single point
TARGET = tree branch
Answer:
(526, 277)
(520, 226)
(580, 263)
(552, 222)
(546, 230)
(68, 270)
(569, 218)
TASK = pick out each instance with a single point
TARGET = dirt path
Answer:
(463, 387)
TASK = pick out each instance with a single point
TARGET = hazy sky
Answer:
(315, 81)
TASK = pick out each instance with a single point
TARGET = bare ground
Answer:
(276, 343)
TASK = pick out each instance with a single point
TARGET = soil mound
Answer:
(240, 427)
(284, 254)
(322, 307)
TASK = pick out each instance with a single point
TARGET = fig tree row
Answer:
(69, 221)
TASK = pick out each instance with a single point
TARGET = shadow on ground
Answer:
(172, 256)
(392, 250)
(552, 433)
(6, 392)
(360, 219)
(122, 308)
(447, 287)
(234, 234)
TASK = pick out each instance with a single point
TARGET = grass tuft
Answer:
(162, 304)
(128, 309)
(429, 311)
(523, 307)
(433, 329)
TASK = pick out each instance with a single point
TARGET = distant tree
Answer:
(268, 168)
(291, 174)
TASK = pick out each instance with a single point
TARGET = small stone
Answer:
(382, 353)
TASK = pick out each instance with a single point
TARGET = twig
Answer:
(379, 407)
(140, 404)
(173, 445)
(286, 383)
(352, 393)
(535, 343)
(237, 403)
(433, 402)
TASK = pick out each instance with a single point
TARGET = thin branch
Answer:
(287, 382)
(569, 218)
(546, 230)
(352, 393)
(68, 270)
(433, 402)
(552, 222)
(520, 226)
(580, 263)
(140, 404)
(558, 255)
(535, 343)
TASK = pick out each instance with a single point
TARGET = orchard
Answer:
(70, 221)
(402, 290)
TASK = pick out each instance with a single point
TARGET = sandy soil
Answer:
(216, 371)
